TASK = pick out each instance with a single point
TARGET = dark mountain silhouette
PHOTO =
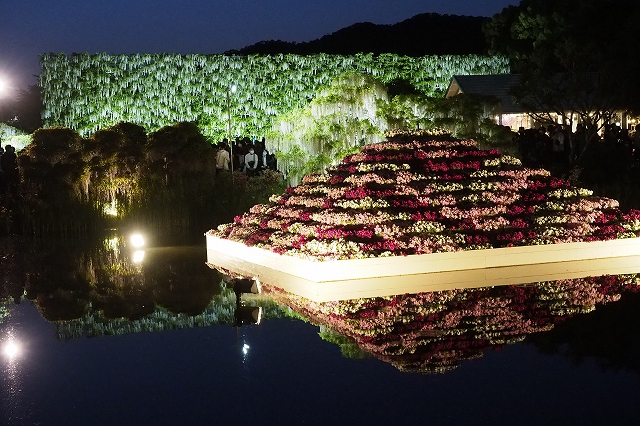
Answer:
(424, 34)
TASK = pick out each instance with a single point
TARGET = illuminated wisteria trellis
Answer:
(89, 92)
(423, 195)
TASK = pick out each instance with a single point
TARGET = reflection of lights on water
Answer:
(12, 389)
(111, 209)
(112, 243)
(137, 240)
(245, 349)
(11, 349)
(138, 256)
(258, 315)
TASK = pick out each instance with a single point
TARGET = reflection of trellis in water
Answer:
(220, 311)
(4, 312)
(433, 332)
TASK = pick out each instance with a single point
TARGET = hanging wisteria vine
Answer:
(88, 92)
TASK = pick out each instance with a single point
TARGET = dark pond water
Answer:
(107, 335)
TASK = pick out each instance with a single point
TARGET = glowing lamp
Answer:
(137, 240)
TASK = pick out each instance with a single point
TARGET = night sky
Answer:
(32, 27)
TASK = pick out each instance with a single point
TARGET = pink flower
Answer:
(357, 193)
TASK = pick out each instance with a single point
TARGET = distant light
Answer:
(137, 240)
(138, 256)
(11, 349)
(234, 88)
(111, 209)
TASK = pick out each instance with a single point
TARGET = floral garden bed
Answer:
(429, 195)
(381, 221)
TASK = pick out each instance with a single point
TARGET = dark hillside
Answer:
(424, 34)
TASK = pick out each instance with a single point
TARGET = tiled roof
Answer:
(498, 85)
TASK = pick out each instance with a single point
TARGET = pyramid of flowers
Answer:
(424, 195)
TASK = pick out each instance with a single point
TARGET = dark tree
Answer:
(575, 56)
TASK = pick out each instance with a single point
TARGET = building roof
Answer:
(498, 85)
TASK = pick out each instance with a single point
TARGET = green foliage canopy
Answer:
(162, 180)
(88, 92)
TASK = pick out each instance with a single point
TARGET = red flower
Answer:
(519, 223)
(305, 216)
(558, 183)
(300, 242)
(420, 154)
(534, 197)
(477, 239)
(357, 193)
(364, 233)
(632, 215)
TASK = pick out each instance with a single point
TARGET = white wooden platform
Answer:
(350, 279)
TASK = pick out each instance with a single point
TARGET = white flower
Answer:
(507, 159)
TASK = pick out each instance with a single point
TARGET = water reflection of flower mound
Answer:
(433, 195)
(433, 332)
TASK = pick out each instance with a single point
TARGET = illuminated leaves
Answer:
(88, 92)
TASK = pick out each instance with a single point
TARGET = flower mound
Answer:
(434, 332)
(431, 195)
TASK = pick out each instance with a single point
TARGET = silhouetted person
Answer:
(579, 140)
(10, 174)
(3, 184)
(239, 153)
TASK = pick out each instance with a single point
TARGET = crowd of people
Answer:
(250, 157)
(9, 174)
(555, 147)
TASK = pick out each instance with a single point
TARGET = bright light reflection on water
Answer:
(11, 349)
(138, 256)
(13, 410)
